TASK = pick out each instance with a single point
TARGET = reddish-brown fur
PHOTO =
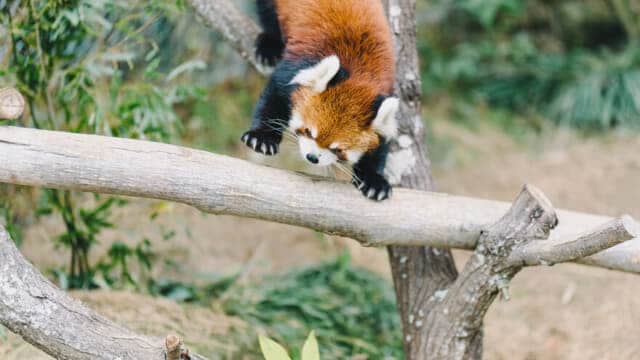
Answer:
(357, 32)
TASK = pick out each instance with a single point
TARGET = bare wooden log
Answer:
(59, 325)
(454, 327)
(11, 104)
(224, 185)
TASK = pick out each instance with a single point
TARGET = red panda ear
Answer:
(318, 76)
(385, 122)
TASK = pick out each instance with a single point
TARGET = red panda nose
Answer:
(312, 158)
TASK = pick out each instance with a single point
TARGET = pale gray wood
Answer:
(59, 325)
(11, 104)
(418, 272)
(552, 252)
(224, 185)
(453, 329)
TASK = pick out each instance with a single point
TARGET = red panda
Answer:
(331, 87)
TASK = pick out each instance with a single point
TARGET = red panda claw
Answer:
(371, 193)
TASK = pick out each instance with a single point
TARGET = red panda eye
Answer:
(336, 151)
(308, 132)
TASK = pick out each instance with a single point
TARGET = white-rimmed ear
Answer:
(385, 122)
(318, 76)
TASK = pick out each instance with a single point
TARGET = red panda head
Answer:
(342, 122)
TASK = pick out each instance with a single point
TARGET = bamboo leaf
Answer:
(310, 349)
(271, 350)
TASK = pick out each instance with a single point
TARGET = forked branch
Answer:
(455, 323)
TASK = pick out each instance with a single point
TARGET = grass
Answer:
(352, 311)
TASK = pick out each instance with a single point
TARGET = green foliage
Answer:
(576, 63)
(581, 89)
(94, 67)
(487, 11)
(9, 221)
(83, 227)
(352, 310)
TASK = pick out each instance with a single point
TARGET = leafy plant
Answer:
(8, 220)
(486, 11)
(576, 63)
(73, 61)
(352, 310)
(271, 350)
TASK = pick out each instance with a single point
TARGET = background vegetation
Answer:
(148, 70)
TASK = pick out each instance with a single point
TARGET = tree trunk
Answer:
(418, 272)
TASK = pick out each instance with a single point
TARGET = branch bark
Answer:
(237, 29)
(224, 185)
(59, 325)
(552, 252)
(454, 326)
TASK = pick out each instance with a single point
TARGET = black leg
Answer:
(270, 43)
(273, 110)
(270, 119)
(368, 173)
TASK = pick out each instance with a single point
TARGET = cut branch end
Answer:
(11, 104)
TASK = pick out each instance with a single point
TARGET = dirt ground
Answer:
(564, 312)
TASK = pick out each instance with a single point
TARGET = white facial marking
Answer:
(385, 122)
(310, 147)
(334, 145)
(318, 76)
(296, 122)
(314, 133)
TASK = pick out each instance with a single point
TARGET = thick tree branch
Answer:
(223, 185)
(237, 29)
(11, 104)
(59, 325)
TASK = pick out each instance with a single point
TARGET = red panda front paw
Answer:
(269, 49)
(263, 142)
(374, 187)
